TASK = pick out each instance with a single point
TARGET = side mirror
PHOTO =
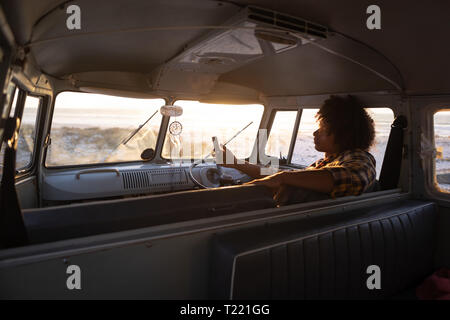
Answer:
(171, 111)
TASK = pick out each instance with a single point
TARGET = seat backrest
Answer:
(327, 256)
(79, 220)
(392, 161)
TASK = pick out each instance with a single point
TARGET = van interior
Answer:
(111, 113)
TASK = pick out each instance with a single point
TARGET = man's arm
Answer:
(352, 177)
(315, 180)
(252, 170)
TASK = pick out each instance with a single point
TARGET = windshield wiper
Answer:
(228, 141)
(132, 134)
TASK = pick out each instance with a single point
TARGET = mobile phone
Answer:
(217, 150)
(216, 143)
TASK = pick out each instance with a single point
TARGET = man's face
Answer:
(323, 141)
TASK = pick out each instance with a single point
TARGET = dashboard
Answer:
(72, 184)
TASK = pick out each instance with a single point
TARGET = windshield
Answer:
(92, 128)
(189, 135)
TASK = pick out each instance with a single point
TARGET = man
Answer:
(345, 134)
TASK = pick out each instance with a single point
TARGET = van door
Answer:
(8, 88)
(431, 164)
(12, 228)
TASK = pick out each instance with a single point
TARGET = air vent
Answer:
(284, 21)
(133, 180)
(136, 179)
(168, 177)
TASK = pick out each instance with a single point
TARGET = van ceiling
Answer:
(413, 37)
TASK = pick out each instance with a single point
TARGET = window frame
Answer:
(294, 138)
(5, 110)
(22, 93)
(272, 116)
(430, 171)
(37, 128)
(13, 95)
(92, 165)
(393, 108)
(422, 172)
(193, 160)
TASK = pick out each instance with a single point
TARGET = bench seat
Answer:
(87, 219)
(325, 256)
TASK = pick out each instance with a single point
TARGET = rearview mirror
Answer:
(171, 111)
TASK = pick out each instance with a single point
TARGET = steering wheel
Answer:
(214, 176)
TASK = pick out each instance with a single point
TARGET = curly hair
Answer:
(348, 121)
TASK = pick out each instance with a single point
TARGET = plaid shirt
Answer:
(353, 171)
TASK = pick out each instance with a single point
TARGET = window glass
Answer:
(93, 128)
(13, 106)
(27, 132)
(442, 145)
(281, 134)
(383, 118)
(11, 91)
(305, 153)
(189, 135)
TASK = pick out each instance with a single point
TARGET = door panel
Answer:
(27, 193)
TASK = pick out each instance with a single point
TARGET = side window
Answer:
(305, 154)
(27, 132)
(442, 145)
(12, 91)
(280, 134)
(14, 103)
(383, 118)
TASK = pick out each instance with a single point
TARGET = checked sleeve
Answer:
(352, 175)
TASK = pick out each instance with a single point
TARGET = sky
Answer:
(80, 101)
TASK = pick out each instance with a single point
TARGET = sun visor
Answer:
(117, 93)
